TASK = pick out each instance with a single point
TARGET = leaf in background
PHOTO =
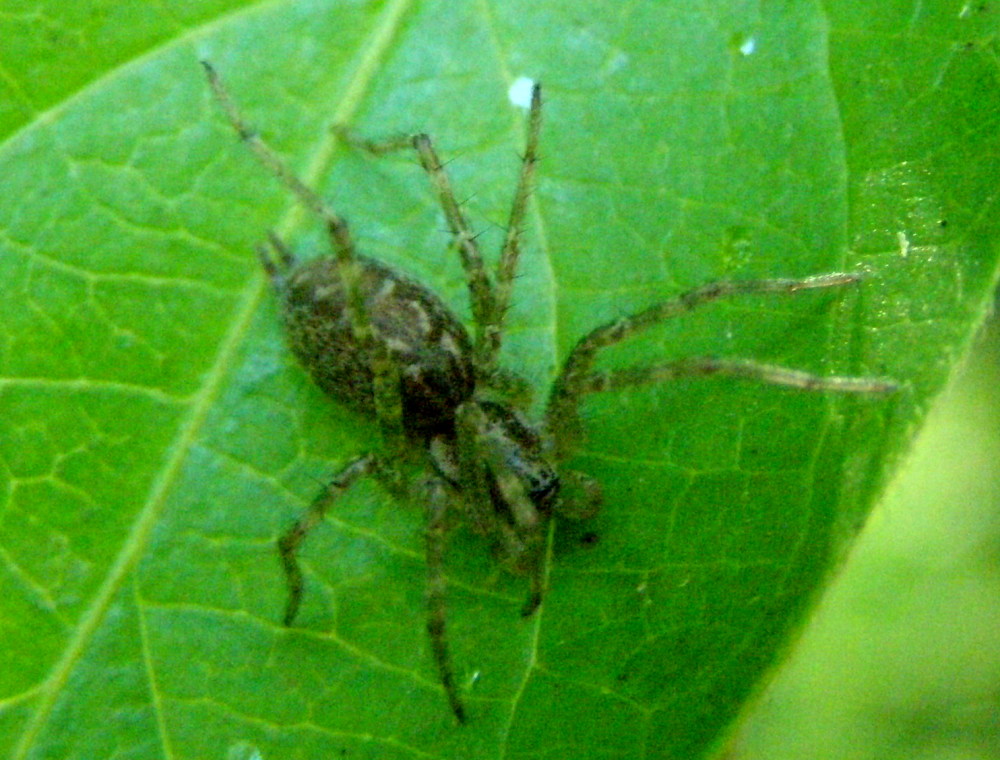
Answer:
(156, 435)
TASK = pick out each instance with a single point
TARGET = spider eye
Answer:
(543, 488)
(521, 452)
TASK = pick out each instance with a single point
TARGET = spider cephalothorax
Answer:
(387, 346)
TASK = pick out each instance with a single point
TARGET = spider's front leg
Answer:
(508, 487)
(480, 288)
(489, 303)
(578, 378)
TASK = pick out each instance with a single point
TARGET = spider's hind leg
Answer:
(288, 544)
(490, 302)
(436, 534)
(388, 399)
(276, 268)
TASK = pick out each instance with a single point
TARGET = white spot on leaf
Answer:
(904, 244)
(520, 92)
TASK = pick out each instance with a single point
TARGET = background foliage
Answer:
(902, 657)
(156, 437)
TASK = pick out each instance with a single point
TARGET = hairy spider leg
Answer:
(480, 290)
(286, 259)
(386, 385)
(436, 500)
(511, 251)
(520, 543)
(703, 366)
(388, 404)
(437, 536)
(577, 378)
(472, 473)
(288, 544)
(489, 304)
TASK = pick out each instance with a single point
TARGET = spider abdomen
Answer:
(425, 340)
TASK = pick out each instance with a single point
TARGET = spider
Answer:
(388, 347)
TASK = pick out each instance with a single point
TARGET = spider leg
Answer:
(480, 289)
(436, 535)
(265, 154)
(288, 544)
(524, 541)
(489, 307)
(387, 392)
(519, 537)
(562, 411)
(609, 380)
(536, 579)
(472, 473)
(275, 269)
(511, 251)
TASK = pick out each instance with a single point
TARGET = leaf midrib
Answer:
(372, 56)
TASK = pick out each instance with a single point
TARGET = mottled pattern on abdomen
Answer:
(428, 344)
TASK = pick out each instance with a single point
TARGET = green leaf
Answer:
(156, 435)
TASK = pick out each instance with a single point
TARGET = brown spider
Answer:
(390, 348)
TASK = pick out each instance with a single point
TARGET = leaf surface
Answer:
(156, 435)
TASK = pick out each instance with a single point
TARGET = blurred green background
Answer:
(902, 659)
